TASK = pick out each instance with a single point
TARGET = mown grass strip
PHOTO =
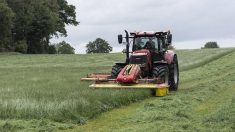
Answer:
(205, 61)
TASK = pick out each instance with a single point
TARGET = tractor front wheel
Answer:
(115, 71)
(160, 72)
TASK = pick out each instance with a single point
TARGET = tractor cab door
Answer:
(158, 54)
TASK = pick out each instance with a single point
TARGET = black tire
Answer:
(174, 75)
(159, 72)
(115, 71)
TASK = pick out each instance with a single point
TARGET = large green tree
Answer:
(67, 16)
(6, 23)
(98, 46)
(65, 48)
(38, 20)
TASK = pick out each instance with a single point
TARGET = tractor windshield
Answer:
(150, 43)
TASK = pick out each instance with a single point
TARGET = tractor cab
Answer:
(151, 41)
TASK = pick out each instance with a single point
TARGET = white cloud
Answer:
(190, 20)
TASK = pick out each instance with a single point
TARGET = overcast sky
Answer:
(192, 22)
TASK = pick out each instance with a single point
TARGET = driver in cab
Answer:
(150, 44)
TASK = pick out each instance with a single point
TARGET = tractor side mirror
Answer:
(169, 38)
(120, 39)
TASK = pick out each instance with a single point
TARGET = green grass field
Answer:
(44, 92)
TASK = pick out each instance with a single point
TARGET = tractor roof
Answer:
(148, 33)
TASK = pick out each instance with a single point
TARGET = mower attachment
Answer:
(104, 81)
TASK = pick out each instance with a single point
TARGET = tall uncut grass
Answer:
(48, 86)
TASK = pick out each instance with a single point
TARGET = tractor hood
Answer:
(142, 56)
(141, 52)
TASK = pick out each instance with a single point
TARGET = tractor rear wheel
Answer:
(115, 71)
(174, 75)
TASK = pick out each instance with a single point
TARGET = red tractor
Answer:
(149, 64)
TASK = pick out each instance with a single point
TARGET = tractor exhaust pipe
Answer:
(127, 47)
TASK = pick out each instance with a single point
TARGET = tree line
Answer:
(27, 26)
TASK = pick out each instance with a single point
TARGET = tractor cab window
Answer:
(161, 42)
(150, 43)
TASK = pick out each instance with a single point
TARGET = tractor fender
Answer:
(169, 56)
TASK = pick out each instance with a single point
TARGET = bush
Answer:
(211, 45)
(21, 46)
(52, 49)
